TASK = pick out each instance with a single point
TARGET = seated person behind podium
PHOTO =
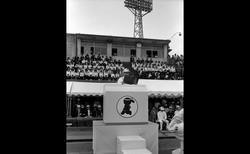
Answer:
(162, 117)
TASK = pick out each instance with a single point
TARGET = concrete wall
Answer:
(123, 59)
(127, 49)
(71, 45)
(123, 49)
(87, 46)
(119, 48)
(159, 49)
(99, 47)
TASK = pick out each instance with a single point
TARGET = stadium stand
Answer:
(101, 68)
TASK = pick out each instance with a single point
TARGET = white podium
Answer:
(125, 104)
(105, 136)
(125, 128)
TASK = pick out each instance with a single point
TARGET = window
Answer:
(133, 52)
(149, 53)
(82, 50)
(114, 51)
(155, 54)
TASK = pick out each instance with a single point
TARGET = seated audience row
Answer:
(149, 69)
(92, 74)
(92, 59)
(93, 67)
(99, 67)
(174, 60)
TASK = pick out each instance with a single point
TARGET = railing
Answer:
(81, 121)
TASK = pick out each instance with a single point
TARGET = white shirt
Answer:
(176, 121)
(68, 73)
(81, 74)
(120, 80)
(161, 115)
(101, 74)
(72, 73)
(117, 75)
(176, 112)
(88, 112)
(76, 74)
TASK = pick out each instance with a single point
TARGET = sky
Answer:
(110, 17)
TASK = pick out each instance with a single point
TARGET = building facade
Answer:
(120, 48)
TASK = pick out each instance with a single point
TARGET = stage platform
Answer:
(79, 141)
(86, 133)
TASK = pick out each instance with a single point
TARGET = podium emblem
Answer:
(127, 106)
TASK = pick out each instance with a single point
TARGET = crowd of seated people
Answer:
(169, 108)
(84, 112)
(149, 69)
(88, 108)
(93, 67)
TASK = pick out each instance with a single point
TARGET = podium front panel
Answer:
(125, 104)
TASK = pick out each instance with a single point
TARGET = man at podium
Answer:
(129, 77)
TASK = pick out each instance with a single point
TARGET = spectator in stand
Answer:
(105, 74)
(99, 57)
(153, 112)
(170, 114)
(162, 117)
(68, 73)
(82, 74)
(94, 111)
(89, 65)
(132, 59)
(117, 75)
(112, 75)
(95, 74)
(166, 108)
(68, 60)
(101, 75)
(83, 111)
(99, 110)
(85, 65)
(89, 113)
(72, 73)
(89, 74)
(164, 102)
(78, 110)
(109, 74)
(77, 74)
(177, 110)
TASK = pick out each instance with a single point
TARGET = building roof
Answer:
(120, 39)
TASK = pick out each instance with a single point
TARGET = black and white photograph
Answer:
(124, 77)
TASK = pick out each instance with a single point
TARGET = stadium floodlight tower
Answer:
(139, 8)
